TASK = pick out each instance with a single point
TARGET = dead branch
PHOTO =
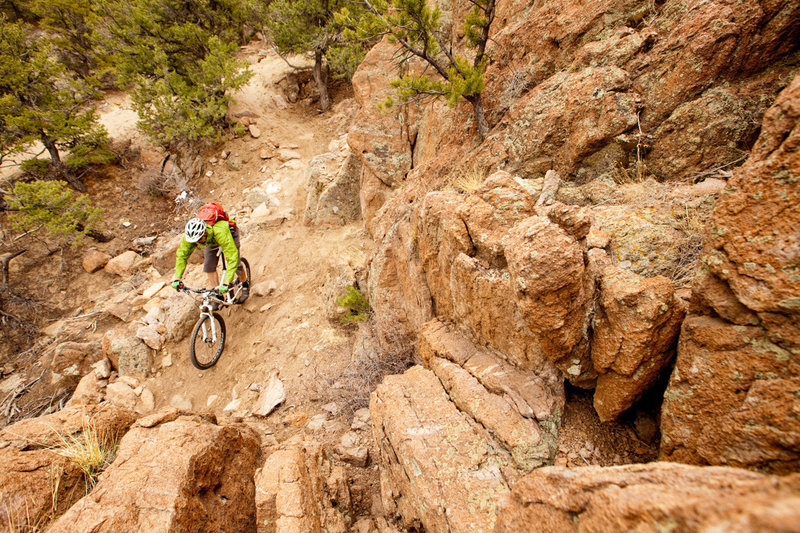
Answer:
(11, 409)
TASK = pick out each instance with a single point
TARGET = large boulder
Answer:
(651, 497)
(181, 314)
(38, 480)
(174, 474)
(732, 398)
(332, 182)
(636, 325)
(127, 353)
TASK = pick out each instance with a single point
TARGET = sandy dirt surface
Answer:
(288, 330)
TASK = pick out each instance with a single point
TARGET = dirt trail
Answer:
(287, 330)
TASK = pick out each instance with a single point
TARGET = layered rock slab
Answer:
(174, 473)
(651, 497)
(521, 410)
(440, 468)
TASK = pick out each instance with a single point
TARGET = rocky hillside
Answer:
(610, 277)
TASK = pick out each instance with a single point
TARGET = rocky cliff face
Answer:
(582, 276)
(588, 95)
(732, 398)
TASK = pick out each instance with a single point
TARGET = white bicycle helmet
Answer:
(195, 229)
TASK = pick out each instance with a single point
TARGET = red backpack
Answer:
(212, 212)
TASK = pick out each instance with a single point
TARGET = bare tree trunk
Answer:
(320, 79)
(5, 261)
(52, 149)
(55, 161)
(480, 115)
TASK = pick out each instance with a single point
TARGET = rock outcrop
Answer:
(635, 326)
(38, 479)
(332, 182)
(298, 489)
(651, 497)
(174, 472)
(732, 398)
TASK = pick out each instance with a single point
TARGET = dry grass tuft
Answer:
(468, 180)
(90, 450)
(692, 223)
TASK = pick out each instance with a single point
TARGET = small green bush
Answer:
(356, 305)
(54, 207)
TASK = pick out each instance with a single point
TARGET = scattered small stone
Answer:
(255, 387)
(254, 131)
(209, 174)
(102, 368)
(233, 405)
(121, 394)
(167, 361)
(95, 260)
(271, 397)
(180, 402)
(148, 400)
(295, 419)
(211, 399)
(361, 420)
(234, 163)
(153, 289)
(317, 423)
(130, 381)
(331, 408)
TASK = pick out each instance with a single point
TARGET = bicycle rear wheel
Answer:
(246, 267)
(207, 341)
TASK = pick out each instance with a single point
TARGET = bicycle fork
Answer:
(209, 333)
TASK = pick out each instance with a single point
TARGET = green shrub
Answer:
(356, 305)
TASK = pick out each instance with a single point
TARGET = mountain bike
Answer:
(208, 336)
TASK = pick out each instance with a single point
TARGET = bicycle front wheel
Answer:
(207, 341)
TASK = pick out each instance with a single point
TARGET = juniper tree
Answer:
(75, 31)
(51, 206)
(416, 28)
(308, 27)
(39, 103)
(179, 54)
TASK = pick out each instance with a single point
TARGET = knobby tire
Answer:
(196, 332)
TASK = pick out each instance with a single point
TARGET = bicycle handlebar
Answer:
(211, 293)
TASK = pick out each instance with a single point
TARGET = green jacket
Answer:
(217, 235)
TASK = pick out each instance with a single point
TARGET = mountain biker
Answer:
(221, 235)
